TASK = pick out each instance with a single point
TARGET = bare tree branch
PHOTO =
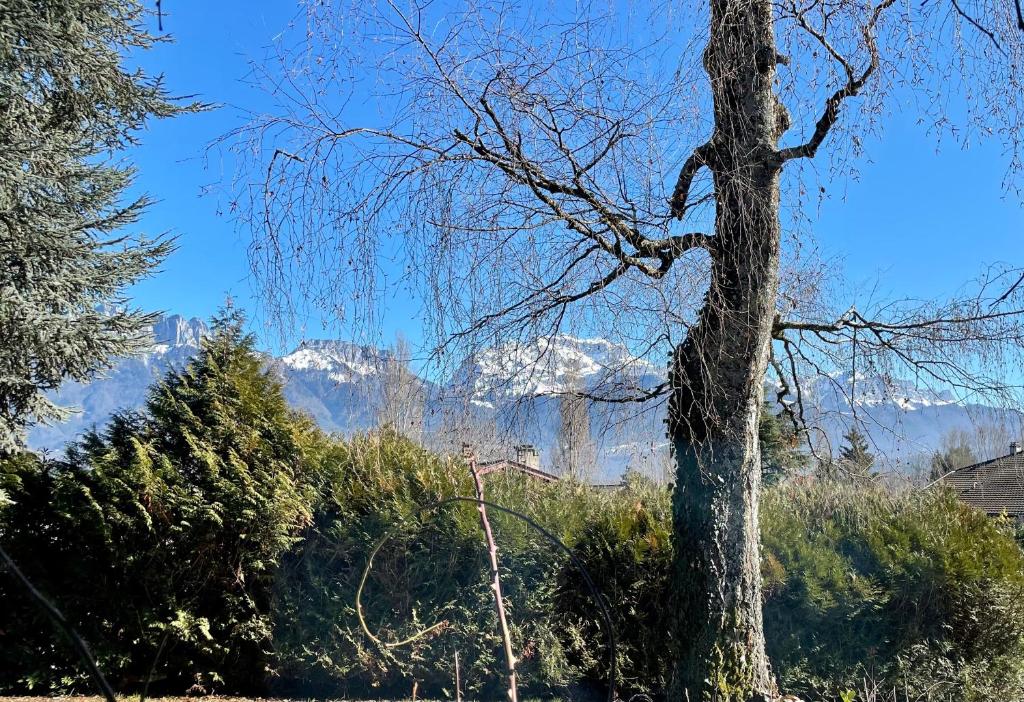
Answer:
(853, 85)
(700, 158)
(963, 345)
(974, 23)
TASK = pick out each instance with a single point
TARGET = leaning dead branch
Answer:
(61, 623)
(492, 555)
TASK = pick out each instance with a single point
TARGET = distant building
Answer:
(527, 461)
(995, 486)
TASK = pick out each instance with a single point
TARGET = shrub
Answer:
(625, 548)
(915, 591)
(434, 569)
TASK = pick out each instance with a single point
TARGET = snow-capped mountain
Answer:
(843, 390)
(901, 418)
(550, 366)
(336, 382)
(341, 361)
(513, 390)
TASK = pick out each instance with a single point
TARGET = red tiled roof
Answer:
(995, 486)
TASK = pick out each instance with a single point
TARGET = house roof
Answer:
(995, 486)
(505, 465)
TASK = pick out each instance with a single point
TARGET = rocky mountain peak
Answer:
(174, 330)
(550, 365)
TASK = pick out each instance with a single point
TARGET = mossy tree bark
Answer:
(718, 374)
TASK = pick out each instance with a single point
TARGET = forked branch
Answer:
(854, 81)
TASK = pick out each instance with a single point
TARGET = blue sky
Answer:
(923, 217)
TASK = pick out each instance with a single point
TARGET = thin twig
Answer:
(458, 683)
(152, 668)
(977, 25)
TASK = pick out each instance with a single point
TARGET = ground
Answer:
(129, 698)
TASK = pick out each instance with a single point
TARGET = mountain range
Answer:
(508, 395)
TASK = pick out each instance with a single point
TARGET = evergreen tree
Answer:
(171, 522)
(780, 451)
(242, 473)
(69, 104)
(956, 452)
(855, 460)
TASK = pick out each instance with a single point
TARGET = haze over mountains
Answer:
(340, 385)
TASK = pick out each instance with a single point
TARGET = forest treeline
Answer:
(214, 542)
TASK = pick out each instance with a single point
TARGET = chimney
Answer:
(528, 455)
(1014, 448)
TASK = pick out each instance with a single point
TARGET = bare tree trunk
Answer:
(575, 453)
(718, 375)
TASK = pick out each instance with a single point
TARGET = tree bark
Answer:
(718, 375)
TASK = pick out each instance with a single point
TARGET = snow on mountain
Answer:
(514, 388)
(341, 361)
(844, 390)
(174, 331)
(549, 366)
(902, 419)
(336, 382)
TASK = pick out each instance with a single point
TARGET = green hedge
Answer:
(916, 592)
(228, 533)
(163, 533)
